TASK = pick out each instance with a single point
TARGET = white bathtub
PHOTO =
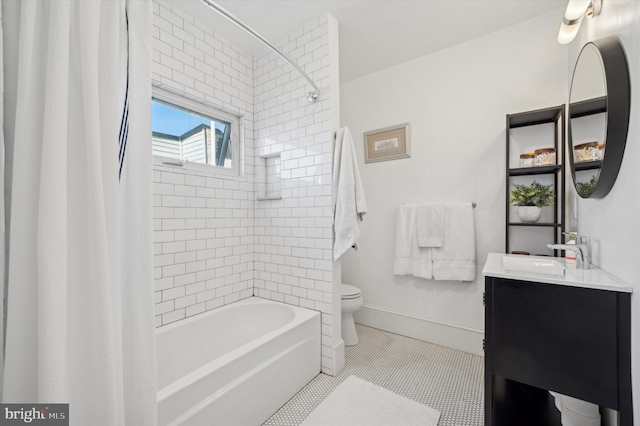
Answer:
(235, 365)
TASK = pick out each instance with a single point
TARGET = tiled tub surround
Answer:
(192, 59)
(293, 236)
(256, 356)
(203, 242)
(203, 221)
(214, 242)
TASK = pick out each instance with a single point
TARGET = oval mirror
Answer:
(599, 103)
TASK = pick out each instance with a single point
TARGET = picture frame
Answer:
(390, 143)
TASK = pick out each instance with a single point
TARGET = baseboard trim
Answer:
(454, 336)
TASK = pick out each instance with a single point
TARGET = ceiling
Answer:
(374, 34)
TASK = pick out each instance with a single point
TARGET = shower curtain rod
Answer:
(312, 96)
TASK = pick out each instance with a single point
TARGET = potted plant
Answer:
(530, 199)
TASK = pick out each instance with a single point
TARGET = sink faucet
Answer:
(581, 249)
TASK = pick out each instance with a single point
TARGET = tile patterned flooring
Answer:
(446, 379)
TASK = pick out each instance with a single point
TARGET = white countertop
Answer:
(594, 278)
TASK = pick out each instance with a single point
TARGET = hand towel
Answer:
(430, 225)
(348, 194)
(456, 260)
(409, 258)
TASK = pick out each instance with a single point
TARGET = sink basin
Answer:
(536, 265)
(550, 270)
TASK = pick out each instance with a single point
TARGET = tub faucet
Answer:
(581, 249)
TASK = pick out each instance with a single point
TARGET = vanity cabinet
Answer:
(553, 116)
(571, 340)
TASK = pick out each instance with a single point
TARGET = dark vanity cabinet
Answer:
(540, 337)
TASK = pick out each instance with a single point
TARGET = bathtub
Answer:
(235, 365)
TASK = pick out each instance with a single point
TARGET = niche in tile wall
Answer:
(269, 179)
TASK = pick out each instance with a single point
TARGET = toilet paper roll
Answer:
(571, 418)
(557, 402)
(579, 406)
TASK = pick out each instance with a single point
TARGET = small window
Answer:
(205, 136)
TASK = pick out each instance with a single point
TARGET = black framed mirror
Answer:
(599, 105)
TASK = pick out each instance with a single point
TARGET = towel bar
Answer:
(473, 204)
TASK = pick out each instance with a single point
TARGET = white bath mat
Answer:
(356, 402)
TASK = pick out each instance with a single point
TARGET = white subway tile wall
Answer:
(214, 244)
(203, 222)
(293, 236)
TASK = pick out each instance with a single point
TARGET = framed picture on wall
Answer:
(390, 143)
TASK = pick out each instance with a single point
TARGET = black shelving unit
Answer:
(532, 171)
(543, 224)
(589, 107)
(588, 165)
(554, 116)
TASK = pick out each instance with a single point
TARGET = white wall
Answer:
(455, 101)
(612, 222)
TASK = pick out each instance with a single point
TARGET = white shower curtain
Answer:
(80, 325)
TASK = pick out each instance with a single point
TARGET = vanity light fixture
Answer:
(576, 11)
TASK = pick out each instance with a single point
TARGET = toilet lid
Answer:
(349, 292)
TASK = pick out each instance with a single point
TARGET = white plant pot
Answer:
(529, 214)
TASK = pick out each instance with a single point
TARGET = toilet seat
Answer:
(349, 292)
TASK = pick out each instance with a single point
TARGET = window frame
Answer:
(209, 111)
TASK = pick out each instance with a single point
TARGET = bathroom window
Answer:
(188, 132)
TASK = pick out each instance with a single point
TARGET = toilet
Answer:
(351, 302)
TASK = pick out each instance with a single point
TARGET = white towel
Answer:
(409, 258)
(430, 225)
(456, 260)
(348, 194)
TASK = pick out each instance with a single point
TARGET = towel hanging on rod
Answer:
(436, 244)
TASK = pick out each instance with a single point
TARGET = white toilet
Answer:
(351, 302)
